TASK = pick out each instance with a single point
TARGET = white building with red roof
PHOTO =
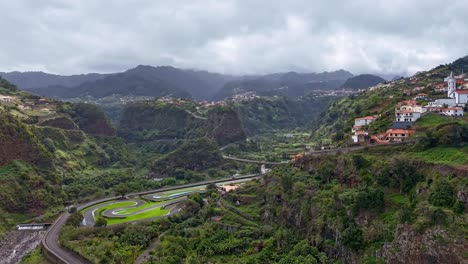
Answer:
(408, 111)
(364, 121)
(360, 135)
(461, 97)
(452, 111)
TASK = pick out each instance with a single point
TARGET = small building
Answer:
(408, 111)
(7, 99)
(360, 137)
(421, 96)
(461, 97)
(452, 111)
(442, 102)
(406, 116)
(364, 121)
(399, 135)
(440, 87)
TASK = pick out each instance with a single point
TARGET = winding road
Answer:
(61, 255)
(253, 161)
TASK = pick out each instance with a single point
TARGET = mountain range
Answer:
(170, 81)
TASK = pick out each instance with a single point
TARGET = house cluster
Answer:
(39, 104)
(408, 111)
(7, 99)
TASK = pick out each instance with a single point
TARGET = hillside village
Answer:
(408, 111)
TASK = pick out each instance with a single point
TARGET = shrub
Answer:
(442, 194)
(100, 222)
(352, 238)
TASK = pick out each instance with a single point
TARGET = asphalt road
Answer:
(50, 241)
(110, 213)
(88, 215)
(253, 161)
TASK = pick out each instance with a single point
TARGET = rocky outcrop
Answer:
(435, 245)
(225, 127)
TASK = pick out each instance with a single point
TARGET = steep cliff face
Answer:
(194, 155)
(89, 118)
(154, 120)
(225, 126)
(18, 142)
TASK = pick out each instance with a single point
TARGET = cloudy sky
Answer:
(232, 36)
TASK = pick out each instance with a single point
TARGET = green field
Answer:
(433, 119)
(134, 209)
(144, 215)
(158, 211)
(443, 155)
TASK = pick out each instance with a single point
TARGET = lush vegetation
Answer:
(264, 115)
(294, 216)
(151, 121)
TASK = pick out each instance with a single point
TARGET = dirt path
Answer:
(17, 244)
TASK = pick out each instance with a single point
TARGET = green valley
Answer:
(321, 178)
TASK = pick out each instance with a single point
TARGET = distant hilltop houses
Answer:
(408, 111)
(7, 99)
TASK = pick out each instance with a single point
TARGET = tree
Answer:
(352, 237)
(400, 174)
(121, 189)
(100, 222)
(359, 161)
(442, 194)
(75, 219)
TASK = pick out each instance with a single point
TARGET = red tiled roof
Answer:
(408, 102)
(452, 108)
(360, 132)
(367, 118)
(461, 91)
(401, 131)
(404, 111)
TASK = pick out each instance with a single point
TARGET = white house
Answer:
(461, 97)
(364, 121)
(441, 102)
(407, 116)
(360, 136)
(452, 111)
(421, 96)
(408, 111)
(7, 99)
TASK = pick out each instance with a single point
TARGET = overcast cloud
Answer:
(232, 36)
